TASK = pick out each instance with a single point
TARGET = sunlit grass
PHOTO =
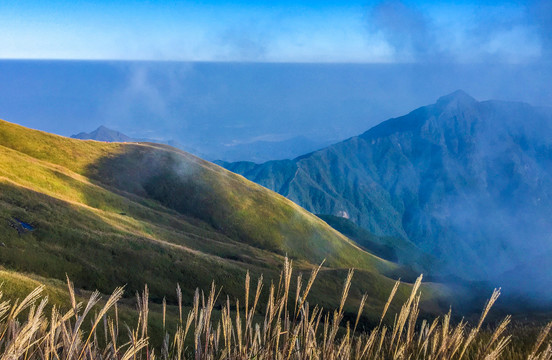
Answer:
(89, 198)
(105, 176)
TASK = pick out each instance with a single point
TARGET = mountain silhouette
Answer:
(467, 182)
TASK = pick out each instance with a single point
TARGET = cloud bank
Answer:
(391, 31)
(505, 33)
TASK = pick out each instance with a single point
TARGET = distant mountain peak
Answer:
(465, 181)
(458, 97)
(102, 133)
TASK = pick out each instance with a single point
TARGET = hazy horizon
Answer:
(214, 108)
(215, 76)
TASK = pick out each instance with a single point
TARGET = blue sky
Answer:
(278, 31)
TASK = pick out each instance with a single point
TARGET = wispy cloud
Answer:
(408, 30)
(246, 42)
(540, 15)
(461, 33)
(147, 97)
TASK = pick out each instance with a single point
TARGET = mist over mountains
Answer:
(236, 111)
(466, 181)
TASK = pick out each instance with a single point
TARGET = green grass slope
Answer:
(109, 214)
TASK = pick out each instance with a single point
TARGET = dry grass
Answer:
(291, 329)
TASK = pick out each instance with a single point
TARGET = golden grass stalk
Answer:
(309, 332)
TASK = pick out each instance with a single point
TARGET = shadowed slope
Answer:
(187, 184)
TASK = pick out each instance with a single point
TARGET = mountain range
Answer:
(468, 183)
(460, 189)
(108, 214)
(256, 151)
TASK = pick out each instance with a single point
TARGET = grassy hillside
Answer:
(109, 214)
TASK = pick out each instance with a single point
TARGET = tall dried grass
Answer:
(291, 329)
